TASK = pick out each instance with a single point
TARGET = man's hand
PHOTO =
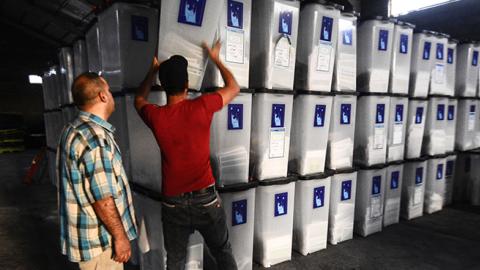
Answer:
(213, 53)
(121, 250)
(155, 65)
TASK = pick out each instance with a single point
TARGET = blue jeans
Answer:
(182, 215)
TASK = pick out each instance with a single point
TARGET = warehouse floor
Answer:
(446, 240)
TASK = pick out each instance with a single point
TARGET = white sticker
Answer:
(277, 143)
(379, 136)
(439, 74)
(235, 52)
(417, 195)
(471, 121)
(347, 71)
(324, 56)
(282, 52)
(376, 206)
(397, 133)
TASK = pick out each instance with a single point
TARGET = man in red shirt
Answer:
(182, 131)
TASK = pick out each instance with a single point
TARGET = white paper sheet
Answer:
(282, 52)
(347, 71)
(397, 133)
(277, 143)
(324, 57)
(417, 195)
(376, 206)
(379, 136)
(235, 52)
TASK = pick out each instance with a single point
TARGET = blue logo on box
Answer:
(439, 171)
(376, 184)
(475, 58)
(395, 179)
(285, 22)
(235, 14)
(278, 115)
(319, 120)
(191, 12)
(403, 43)
(318, 197)
(450, 55)
(383, 40)
(346, 190)
(426, 50)
(380, 119)
(139, 28)
(419, 176)
(449, 169)
(419, 115)
(441, 112)
(472, 108)
(327, 24)
(399, 113)
(345, 111)
(235, 116)
(439, 51)
(347, 37)
(281, 204)
(239, 212)
(451, 112)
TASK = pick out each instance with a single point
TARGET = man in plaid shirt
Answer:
(95, 204)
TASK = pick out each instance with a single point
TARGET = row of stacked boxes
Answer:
(274, 151)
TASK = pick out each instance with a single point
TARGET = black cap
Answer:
(173, 74)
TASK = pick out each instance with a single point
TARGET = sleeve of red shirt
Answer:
(213, 102)
(147, 113)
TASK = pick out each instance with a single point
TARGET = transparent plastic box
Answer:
(274, 206)
(417, 115)
(310, 128)
(80, 58)
(393, 193)
(128, 37)
(65, 59)
(342, 206)
(435, 126)
(401, 58)
(92, 40)
(239, 203)
(273, 44)
(467, 117)
(413, 188)
(375, 38)
(435, 185)
(345, 69)
(230, 141)
(371, 130)
(270, 138)
(369, 200)
(450, 167)
(317, 49)
(438, 78)
(421, 65)
(342, 131)
(234, 33)
(312, 203)
(451, 125)
(397, 127)
(450, 68)
(467, 70)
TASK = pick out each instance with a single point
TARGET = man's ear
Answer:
(103, 96)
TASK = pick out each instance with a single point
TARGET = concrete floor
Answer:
(449, 239)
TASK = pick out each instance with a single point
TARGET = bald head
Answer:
(86, 88)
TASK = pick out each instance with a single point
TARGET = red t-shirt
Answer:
(182, 131)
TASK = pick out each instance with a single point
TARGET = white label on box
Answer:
(376, 206)
(471, 121)
(282, 52)
(234, 49)
(417, 195)
(439, 74)
(379, 136)
(277, 143)
(347, 71)
(397, 133)
(324, 57)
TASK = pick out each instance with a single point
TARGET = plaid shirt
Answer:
(89, 168)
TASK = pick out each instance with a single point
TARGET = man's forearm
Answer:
(144, 88)
(227, 76)
(108, 214)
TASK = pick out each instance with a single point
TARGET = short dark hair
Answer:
(86, 87)
(173, 75)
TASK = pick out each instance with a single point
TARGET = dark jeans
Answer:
(181, 216)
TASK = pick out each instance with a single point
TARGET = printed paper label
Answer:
(282, 52)
(376, 206)
(277, 143)
(324, 57)
(234, 50)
